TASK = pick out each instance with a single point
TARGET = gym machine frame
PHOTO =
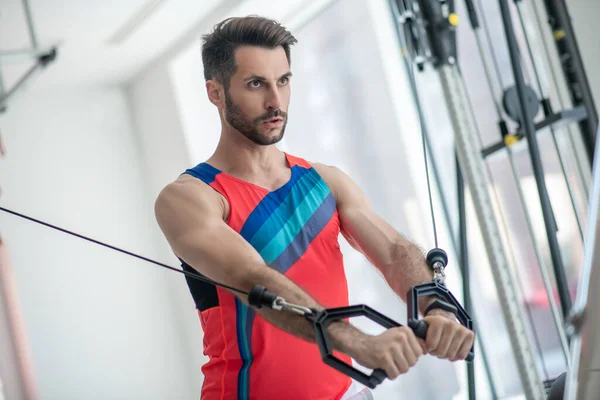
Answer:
(573, 70)
(429, 37)
(42, 59)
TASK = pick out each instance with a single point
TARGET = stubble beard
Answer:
(238, 120)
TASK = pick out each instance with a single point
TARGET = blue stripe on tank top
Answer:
(309, 232)
(294, 222)
(278, 219)
(269, 204)
(205, 172)
(244, 322)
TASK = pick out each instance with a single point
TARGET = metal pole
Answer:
(32, 36)
(555, 311)
(42, 62)
(20, 56)
(582, 379)
(547, 106)
(581, 162)
(464, 266)
(474, 169)
(572, 65)
(538, 171)
(19, 84)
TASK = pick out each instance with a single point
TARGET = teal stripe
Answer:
(244, 318)
(280, 216)
(243, 377)
(296, 221)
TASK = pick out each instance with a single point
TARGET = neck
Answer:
(237, 154)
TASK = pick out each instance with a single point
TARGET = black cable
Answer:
(424, 141)
(191, 275)
(491, 46)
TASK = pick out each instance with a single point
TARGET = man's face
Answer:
(257, 101)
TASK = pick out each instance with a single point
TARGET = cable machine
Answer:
(427, 34)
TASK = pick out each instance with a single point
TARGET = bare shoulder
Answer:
(330, 173)
(187, 195)
(344, 189)
(327, 172)
(334, 177)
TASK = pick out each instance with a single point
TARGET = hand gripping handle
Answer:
(445, 300)
(420, 328)
(321, 321)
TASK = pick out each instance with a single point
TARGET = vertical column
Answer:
(473, 168)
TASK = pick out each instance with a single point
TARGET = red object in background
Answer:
(16, 367)
(540, 297)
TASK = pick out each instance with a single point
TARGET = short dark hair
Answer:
(218, 49)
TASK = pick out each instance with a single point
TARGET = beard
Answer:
(250, 127)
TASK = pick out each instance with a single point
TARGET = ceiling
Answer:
(109, 42)
(99, 42)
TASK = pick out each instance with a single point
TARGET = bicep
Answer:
(362, 227)
(193, 225)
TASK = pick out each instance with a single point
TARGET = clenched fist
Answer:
(446, 337)
(394, 351)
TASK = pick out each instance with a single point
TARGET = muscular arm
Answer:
(400, 261)
(191, 216)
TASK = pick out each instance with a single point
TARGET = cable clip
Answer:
(437, 260)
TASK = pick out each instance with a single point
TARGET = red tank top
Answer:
(295, 229)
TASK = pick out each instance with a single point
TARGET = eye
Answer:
(255, 84)
(284, 80)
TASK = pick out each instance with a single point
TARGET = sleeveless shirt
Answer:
(295, 229)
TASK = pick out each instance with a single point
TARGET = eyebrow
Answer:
(255, 77)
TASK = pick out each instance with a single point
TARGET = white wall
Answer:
(165, 154)
(101, 324)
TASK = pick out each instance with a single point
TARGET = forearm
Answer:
(192, 219)
(408, 268)
(343, 336)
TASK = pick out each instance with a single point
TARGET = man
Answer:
(252, 214)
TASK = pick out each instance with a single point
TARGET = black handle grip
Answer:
(322, 319)
(377, 377)
(437, 290)
(420, 328)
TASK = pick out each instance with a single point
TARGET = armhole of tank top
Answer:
(227, 203)
(218, 192)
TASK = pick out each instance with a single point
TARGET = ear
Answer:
(215, 93)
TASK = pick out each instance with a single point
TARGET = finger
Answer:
(459, 339)
(434, 334)
(466, 346)
(390, 368)
(414, 345)
(423, 346)
(407, 354)
(445, 341)
(401, 359)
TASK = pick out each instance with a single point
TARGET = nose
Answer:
(273, 99)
